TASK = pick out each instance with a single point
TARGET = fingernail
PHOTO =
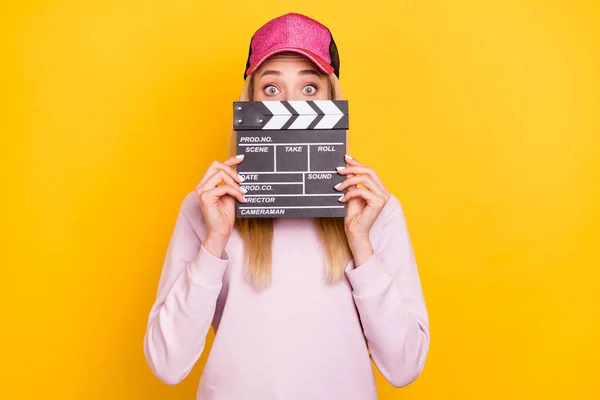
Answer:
(348, 157)
(241, 178)
(340, 168)
(244, 190)
(340, 198)
(241, 156)
(338, 185)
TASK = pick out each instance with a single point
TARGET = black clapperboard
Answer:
(292, 150)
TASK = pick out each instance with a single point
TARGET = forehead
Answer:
(287, 61)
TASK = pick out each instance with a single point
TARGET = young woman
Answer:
(299, 306)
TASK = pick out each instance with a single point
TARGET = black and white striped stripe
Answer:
(290, 115)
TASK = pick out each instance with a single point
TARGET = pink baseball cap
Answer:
(298, 34)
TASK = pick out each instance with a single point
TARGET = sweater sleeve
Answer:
(388, 295)
(181, 316)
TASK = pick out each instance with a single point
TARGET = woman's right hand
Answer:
(217, 191)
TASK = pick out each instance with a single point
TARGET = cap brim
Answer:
(318, 61)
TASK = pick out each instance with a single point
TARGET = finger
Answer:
(365, 180)
(227, 167)
(234, 160)
(216, 165)
(362, 170)
(212, 195)
(351, 160)
(217, 178)
(371, 198)
(358, 193)
(350, 187)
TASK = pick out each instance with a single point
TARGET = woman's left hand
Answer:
(364, 203)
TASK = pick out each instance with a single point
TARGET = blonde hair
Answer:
(257, 233)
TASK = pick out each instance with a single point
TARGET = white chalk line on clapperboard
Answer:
(285, 172)
(254, 208)
(290, 195)
(289, 144)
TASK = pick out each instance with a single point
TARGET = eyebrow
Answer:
(309, 72)
(271, 72)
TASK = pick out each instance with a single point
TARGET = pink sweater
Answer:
(300, 338)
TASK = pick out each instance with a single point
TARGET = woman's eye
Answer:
(309, 89)
(271, 90)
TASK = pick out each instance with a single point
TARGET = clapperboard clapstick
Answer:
(292, 150)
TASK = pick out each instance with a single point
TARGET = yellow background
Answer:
(482, 117)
